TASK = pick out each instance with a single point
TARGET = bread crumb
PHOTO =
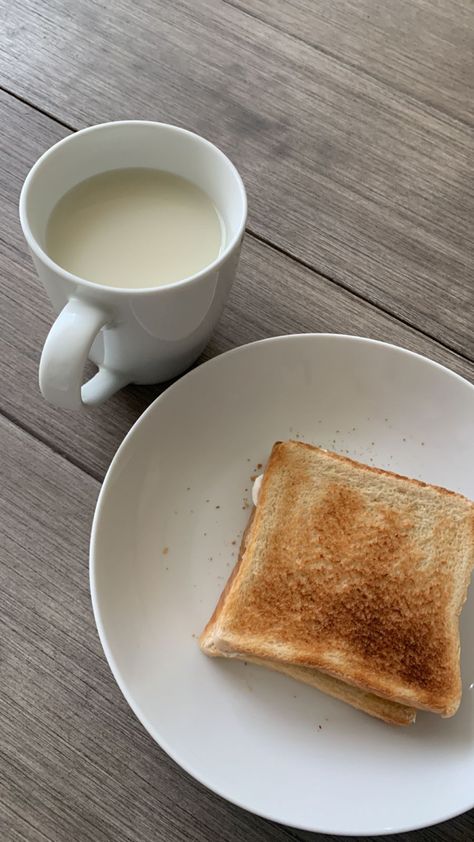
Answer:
(259, 465)
(165, 550)
(234, 543)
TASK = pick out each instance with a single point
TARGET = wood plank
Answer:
(367, 186)
(423, 49)
(75, 764)
(272, 295)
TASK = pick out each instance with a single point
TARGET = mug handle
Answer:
(65, 354)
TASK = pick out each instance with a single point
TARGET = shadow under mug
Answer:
(133, 335)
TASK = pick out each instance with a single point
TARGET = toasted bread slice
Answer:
(355, 572)
(384, 709)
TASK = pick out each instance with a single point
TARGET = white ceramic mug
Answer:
(133, 335)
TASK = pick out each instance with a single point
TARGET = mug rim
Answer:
(108, 289)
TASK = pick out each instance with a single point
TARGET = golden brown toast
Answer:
(384, 709)
(370, 703)
(354, 572)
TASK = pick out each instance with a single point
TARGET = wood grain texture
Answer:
(368, 186)
(422, 48)
(272, 295)
(75, 764)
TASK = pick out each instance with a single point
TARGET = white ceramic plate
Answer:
(166, 535)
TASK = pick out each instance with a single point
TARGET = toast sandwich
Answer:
(351, 579)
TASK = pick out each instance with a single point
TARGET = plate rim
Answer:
(111, 661)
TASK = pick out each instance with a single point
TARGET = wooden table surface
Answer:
(351, 123)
